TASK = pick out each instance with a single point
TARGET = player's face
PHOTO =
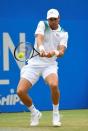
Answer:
(53, 23)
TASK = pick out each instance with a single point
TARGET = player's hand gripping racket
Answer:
(25, 51)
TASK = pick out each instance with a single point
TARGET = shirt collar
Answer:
(58, 29)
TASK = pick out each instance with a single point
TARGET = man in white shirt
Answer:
(51, 41)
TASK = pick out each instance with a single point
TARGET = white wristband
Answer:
(57, 52)
(41, 47)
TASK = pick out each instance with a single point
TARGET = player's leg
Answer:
(52, 81)
(22, 91)
(51, 77)
(28, 77)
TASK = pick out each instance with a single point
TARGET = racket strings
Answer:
(25, 51)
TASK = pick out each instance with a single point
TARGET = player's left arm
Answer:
(60, 50)
(63, 45)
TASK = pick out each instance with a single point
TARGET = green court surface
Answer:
(72, 120)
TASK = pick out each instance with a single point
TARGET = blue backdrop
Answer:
(18, 21)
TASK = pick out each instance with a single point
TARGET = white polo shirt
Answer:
(52, 38)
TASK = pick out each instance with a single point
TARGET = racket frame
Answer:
(27, 44)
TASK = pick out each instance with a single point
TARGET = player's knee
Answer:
(54, 86)
(20, 91)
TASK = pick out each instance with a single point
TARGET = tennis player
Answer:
(51, 42)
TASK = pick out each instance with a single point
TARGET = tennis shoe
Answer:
(35, 118)
(56, 119)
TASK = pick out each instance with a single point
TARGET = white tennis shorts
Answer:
(32, 73)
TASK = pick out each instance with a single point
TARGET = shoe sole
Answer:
(57, 125)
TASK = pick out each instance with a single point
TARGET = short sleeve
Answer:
(40, 28)
(64, 39)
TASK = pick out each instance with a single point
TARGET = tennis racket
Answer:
(25, 51)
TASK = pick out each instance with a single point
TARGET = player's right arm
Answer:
(39, 33)
(40, 39)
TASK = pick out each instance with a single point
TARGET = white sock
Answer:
(55, 108)
(32, 109)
